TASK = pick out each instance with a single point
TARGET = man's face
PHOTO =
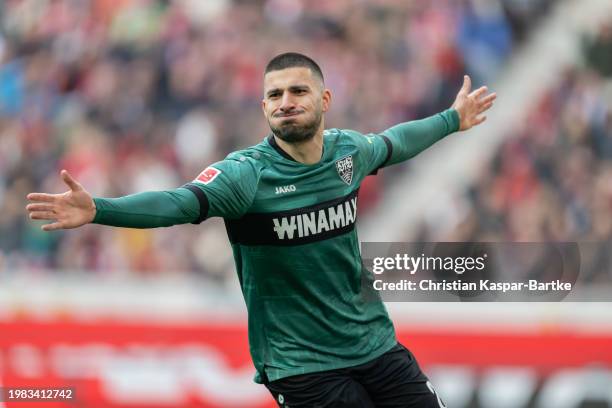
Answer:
(294, 102)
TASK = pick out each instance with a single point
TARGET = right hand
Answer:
(69, 210)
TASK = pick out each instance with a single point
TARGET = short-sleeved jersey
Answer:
(292, 230)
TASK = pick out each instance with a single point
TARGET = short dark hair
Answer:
(294, 59)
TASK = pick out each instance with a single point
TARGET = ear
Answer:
(327, 98)
(263, 106)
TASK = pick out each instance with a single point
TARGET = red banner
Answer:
(126, 365)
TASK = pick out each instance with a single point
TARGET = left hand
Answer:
(472, 105)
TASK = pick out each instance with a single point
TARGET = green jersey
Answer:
(292, 230)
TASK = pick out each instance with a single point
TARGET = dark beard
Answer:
(294, 133)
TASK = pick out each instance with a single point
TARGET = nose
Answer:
(287, 103)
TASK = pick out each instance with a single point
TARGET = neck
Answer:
(307, 152)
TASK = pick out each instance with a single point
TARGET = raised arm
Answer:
(76, 207)
(410, 138)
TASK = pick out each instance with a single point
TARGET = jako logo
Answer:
(285, 189)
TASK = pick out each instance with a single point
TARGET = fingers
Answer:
(489, 98)
(485, 107)
(42, 197)
(49, 216)
(486, 103)
(477, 94)
(40, 207)
(72, 183)
(43, 215)
(467, 84)
(479, 120)
(53, 226)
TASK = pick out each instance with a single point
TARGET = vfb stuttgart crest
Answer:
(345, 169)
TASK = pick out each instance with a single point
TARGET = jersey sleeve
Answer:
(375, 150)
(226, 188)
(403, 141)
(411, 138)
(150, 209)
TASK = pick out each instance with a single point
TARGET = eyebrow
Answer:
(291, 88)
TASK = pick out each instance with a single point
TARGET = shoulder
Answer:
(348, 137)
(257, 156)
(243, 165)
(250, 156)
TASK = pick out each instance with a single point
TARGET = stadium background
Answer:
(133, 95)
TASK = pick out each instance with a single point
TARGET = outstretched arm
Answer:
(76, 207)
(410, 138)
(225, 189)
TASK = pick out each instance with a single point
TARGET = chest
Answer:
(297, 204)
(285, 188)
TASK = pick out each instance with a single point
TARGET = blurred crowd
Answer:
(134, 95)
(552, 180)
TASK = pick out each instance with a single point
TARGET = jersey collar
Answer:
(276, 147)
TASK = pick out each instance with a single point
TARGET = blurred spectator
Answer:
(552, 181)
(598, 51)
(484, 38)
(143, 94)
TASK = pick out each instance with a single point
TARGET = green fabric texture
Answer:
(411, 138)
(150, 209)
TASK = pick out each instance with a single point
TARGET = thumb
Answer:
(70, 182)
(467, 84)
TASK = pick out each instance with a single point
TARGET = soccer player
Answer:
(317, 337)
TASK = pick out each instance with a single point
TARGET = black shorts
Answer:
(393, 380)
